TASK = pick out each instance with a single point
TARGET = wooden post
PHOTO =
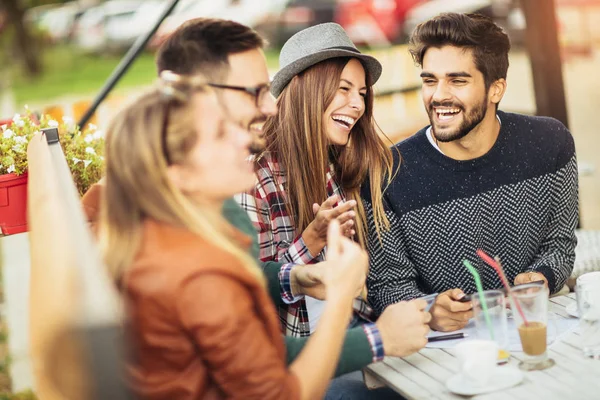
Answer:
(544, 52)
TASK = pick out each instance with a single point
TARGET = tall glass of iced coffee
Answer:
(531, 318)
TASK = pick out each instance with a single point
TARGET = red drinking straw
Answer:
(498, 268)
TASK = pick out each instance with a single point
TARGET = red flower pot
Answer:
(13, 203)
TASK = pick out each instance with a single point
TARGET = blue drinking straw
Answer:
(475, 274)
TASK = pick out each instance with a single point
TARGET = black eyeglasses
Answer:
(259, 92)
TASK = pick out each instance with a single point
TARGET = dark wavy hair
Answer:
(203, 45)
(489, 43)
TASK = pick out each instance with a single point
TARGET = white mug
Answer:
(477, 361)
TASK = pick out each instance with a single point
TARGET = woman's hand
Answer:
(347, 267)
(315, 234)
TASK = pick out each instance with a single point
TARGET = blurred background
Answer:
(56, 48)
(55, 57)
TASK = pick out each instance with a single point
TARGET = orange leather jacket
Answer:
(202, 326)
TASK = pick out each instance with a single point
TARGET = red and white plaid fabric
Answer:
(279, 241)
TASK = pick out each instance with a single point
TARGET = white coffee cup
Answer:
(591, 282)
(589, 277)
(477, 361)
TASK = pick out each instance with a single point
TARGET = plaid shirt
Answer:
(279, 241)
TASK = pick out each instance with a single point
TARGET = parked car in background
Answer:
(56, 21)
(374, 22)
(34, 15)
(247, 12)
(99, 28)
(123, 31)
(295, 16)
(505, 13)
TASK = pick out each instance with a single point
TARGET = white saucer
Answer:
(571, 309)
(504, 378)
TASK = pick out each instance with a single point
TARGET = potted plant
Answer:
(83, 151)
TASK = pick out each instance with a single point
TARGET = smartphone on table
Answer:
(430, 299)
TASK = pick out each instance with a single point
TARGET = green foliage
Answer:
(26, 395)
(83, 150)
(69, 73)
(35, 3)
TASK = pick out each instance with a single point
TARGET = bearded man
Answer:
(475, 178)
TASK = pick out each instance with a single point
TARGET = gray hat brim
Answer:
(285, 75)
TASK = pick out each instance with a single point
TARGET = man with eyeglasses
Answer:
(229, 55)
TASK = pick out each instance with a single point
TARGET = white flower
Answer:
(92, 126)
(53, 124)
(16, 148)
(8, 134)
(11, 169)
(20, 139)
(98, 135)
(90, 150)
(17, 117)
(86, 163)
(20, 123)
(4, 127)
(67, 120)
(88, 138)
(76, 160)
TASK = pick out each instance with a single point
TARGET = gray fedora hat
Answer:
(313, 45)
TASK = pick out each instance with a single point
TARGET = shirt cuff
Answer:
(298, 252)
(374, 338)
(285, 282)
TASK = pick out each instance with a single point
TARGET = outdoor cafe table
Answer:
(423, 375)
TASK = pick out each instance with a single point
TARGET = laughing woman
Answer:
(320, 148)
(202, 324)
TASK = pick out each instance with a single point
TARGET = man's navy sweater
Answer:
(519, 202)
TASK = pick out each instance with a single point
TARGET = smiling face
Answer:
(454, 93)
(348, 104)
(217, 166)
(248, 69)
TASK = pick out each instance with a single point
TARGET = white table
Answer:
(16, 271)
(423, 375)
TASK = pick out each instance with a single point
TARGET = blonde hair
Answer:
(138, 187)
(297, 138)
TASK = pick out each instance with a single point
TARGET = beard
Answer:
(258, 143)
(469, 122)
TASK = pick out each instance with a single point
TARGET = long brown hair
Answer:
(139, 141)
(297, 138)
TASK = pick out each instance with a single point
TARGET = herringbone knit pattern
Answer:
(519, 202)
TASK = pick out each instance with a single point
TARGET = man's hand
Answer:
(448, 314)
(307, 280)
(526, 277)
(403, 328)
(347, 265)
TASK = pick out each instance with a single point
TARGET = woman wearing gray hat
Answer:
(320, 148)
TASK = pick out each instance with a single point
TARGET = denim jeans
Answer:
(352, 387)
